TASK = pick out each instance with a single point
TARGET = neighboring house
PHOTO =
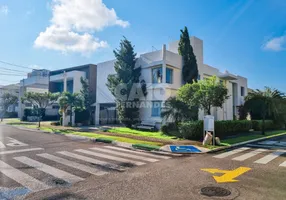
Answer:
(36, 81)
(69, 80)
(162, 72)
(13, 89)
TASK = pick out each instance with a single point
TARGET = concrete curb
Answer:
(246, 142)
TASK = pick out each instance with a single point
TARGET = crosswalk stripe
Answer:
(72, 164)
(266, 159)
(138, 152)
(22, 178)
(20, 150)
(110, 157)
(124, 154)
(229, 153)
(249, 155)
(283, 164)
(49, 170)
(92, 160)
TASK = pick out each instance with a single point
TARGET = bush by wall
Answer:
(194, 130)
(82, 117)
(169, 129)
(269, 125)
(11, 115)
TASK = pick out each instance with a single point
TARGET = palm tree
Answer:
(265, 102)
(71, 101)
(177, 111)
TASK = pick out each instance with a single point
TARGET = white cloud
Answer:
(4, 10)
(276, 44)
(64, 40)
(73, 24)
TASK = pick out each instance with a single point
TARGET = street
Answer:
(36, 165)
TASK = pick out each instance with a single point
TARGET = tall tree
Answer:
(40, 101)
(190, 68)
(87, 97)
(178, 111)
(266, 102)
(206, 94)
(7, 99)
(123, 84)
(72, 101)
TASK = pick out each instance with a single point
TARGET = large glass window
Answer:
(157, 75)
(169, 75)
(156, 108)
(242, 92)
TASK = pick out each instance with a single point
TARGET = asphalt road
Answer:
(259, 171)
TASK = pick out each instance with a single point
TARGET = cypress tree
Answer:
(190, 68)
(129, 76)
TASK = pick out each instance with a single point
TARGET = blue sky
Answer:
(244, 37)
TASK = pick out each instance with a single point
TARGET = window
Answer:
(156, 108)
(242, 92)
(157, 75)
(199, 77)
(169, 75)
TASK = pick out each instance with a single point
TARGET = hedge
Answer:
(193, 130)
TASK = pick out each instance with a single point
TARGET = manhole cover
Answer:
(215, 192)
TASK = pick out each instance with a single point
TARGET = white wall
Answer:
(103, 95)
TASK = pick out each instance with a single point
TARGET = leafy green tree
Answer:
(72, 101)
(190, 68)
(123, 83)
(205, 94)
(87, 97)
(264, 102)
(40, 101)
(7, 99)
(178, 111)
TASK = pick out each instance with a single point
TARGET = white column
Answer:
(164, 63)
(97, 111)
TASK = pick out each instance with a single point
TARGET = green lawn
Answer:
(251, 136)
(124, 130)
(86, 134)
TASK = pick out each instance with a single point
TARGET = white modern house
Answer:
(162, 72)
(36, 81)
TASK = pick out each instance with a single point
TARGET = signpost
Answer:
(209, 126)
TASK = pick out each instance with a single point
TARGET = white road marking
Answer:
(72, 164)
(249, 155)
(138, 152)
(49, 170)
(22, 178)
(20, 150)
(283, 164)
(266, 159)
(15, 143)
(110, 157)
(91, 160)
(229, 153)
(124, 154)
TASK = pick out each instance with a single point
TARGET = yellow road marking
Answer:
(228, 175)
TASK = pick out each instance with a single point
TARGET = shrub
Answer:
(82, 117)
(169, 129)
(192, 130)
(269, 125)
(230, 127)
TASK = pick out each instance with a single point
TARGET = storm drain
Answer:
(215, 192)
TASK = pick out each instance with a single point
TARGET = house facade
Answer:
(68, 80)
(162, 72)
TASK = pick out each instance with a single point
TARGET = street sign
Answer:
(184, 149)
(228, 175)
(209, 123)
